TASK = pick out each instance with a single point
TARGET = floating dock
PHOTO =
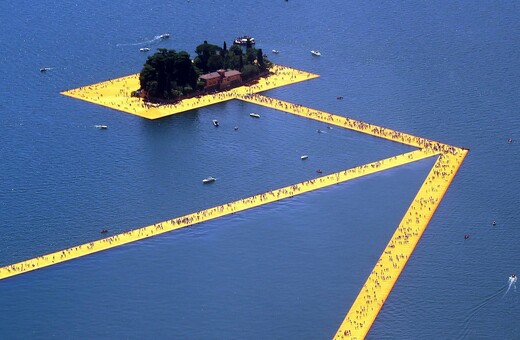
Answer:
(116, 93)
(363, 312)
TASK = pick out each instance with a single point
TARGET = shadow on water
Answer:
(185, 119)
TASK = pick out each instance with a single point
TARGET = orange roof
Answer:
(214, 75)
(209, 76)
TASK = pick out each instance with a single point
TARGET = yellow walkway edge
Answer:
(381, 280)
(208, 214)
(357, 323)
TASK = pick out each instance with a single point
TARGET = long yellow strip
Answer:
(357, 323)
(209, 214)
(348, 123)
(381, 280)
(116, 93)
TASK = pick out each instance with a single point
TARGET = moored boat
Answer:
(102, 127)
(209, 180)
(144, 49)
(254, 115)
(316, 53)
(243, 40)
(304, 157)
(215, 122)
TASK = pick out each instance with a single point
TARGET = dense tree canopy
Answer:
(169, 74)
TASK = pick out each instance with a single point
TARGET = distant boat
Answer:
(276, 51)
(215, 122)
(243, 40)
(102, 127)
(45, 69)
(209, 180)
(254, 115)
(164, 36)
(316, 53)
(144, 49)
(304, 157)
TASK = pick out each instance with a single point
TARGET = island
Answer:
(169, 76)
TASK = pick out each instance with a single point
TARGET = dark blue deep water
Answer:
(446, 70)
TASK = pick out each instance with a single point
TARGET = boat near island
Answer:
(208, 180)
(276, 51)
(101, 127)
(254, 115)
(243, 40)
(316, 53)
(215, 122)
(144, 49)
(164, 36)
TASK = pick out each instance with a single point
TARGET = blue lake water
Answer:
(449, 71)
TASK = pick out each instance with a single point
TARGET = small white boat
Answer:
(254, 115)
(316, 53)
(45, 69)
(243, 40)
(215, 122)
(144, 49)
(164, 36)
(102, 127)
(276, 51)
(304, 157)
(209, 180)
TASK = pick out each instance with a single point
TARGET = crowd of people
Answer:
(400, 247)
(398, 250)
(116, 93)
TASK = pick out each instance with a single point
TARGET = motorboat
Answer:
(243, 40)
(316, 53)
(254, 115)
(164, 36)
(45, 69)
(304, 157)
(102, 127)
(276, 51)
(215, 122)
(209, 180)
(144, 49)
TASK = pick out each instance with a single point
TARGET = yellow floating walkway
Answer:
(347, 123)
(356, 325)
(209, 214)
(381, 280)
(116, 93)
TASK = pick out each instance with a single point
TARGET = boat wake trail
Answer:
(151, 41)
(493, 297)
(511, 283)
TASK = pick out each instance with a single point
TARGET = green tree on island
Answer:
(170, 75)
